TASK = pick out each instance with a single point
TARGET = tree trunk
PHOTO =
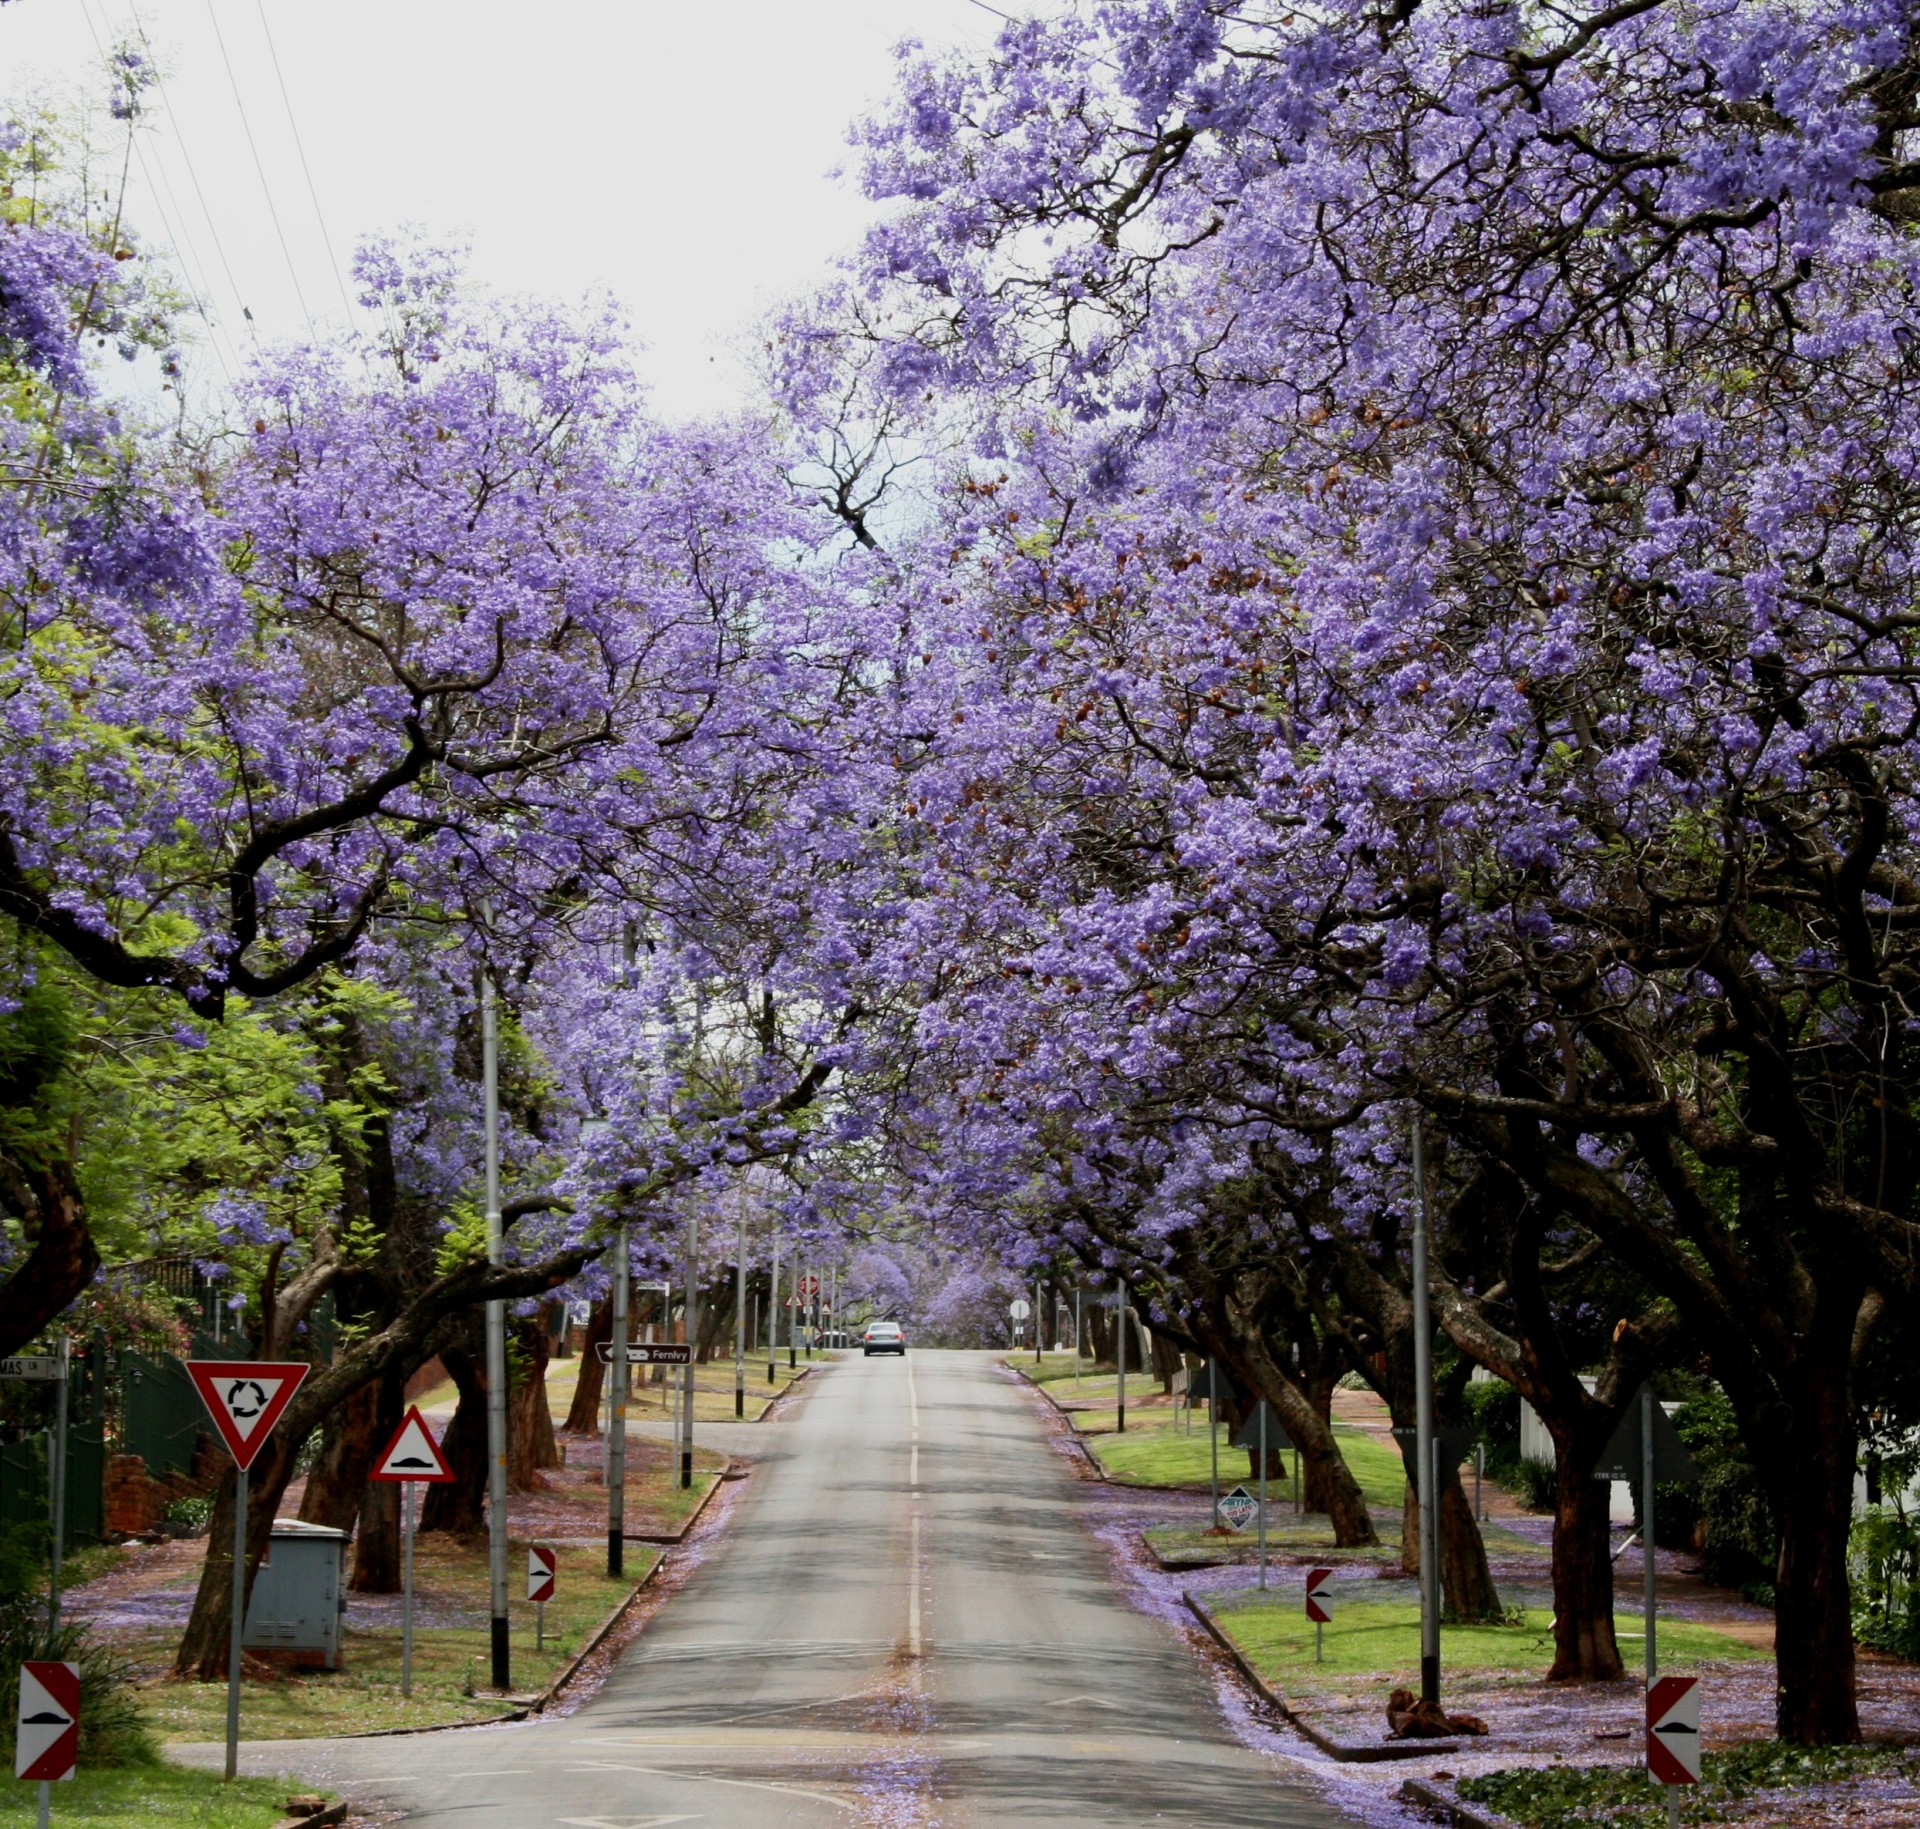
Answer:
(1467, 1591)
(1811, 1495)
(1584, 1647)
(61, 1264)
(583, 1414)
(530, 1443)
(459, 1504)
(1320, 1458)
(376, 1550)
(203, 1646)
(1166, 1361)
(1314, 1496)
(338, 1482)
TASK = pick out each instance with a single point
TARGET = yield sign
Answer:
(1319, 1601)
(49, 1727)
(1673, 1730)
(540, 1573)
(245, 1399)
(413, 1454)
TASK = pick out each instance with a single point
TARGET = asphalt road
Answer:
(903, 1625)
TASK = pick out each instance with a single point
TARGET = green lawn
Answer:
(1376, 1637)
(152, 1797)
(1164, 1457)
(1196, 1546)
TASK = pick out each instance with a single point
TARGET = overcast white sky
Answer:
(676, 154)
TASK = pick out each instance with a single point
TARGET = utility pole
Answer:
(1122, 1310)
(1427, 1484)
(496, 1341)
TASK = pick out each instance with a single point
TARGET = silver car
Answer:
(883, 1337)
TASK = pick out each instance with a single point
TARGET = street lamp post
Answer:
(496, 1341)
(1426, 1483)
(740, 1306)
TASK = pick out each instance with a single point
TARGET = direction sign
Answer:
(48, 1734)
(1018, 1309)
(1249, 1436)
(1238, 1508)
(1454, 1445)
(413, 1454)
(33, 1366)
(245, 1399)
(663, 1352)
(540, 1573)
(1319, 1601)
(1623, 1456)
(1673, 1730)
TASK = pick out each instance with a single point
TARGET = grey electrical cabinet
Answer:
(299, 1595)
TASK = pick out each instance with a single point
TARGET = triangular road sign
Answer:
(1249, 1434)
(413, 1454)
(1621, 1458)
(245, 1398)
(1454, 1445)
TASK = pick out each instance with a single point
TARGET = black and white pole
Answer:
(693, 1346)
(619, 1379)
(502, 1672)
(740, 1306)
(1649, 1574)
(1426, 1490)
(1076, 1339)
(773, 1309)
(1036, 1321)
(1121, 1311)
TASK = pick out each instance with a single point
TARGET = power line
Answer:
(299, 146)
(266, 190)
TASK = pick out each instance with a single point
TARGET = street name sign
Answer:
(246, 1398)
(1673, 1730)
(643, 1353)
(413, 1454)
(35, 1366)
(541, 1575)
(1319, 1601)
(47, 1736)
(1238, 1508)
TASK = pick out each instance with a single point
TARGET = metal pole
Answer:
(1423, 1420)
(57, 1498)
(693, 1347)
(773, 1308)
(620, 1385)
(406, 1605)
(1122, 1350)
(46, 1804)
(237, 1625)
(1036, 1321)
(1213, 1436)
(1263, 1491)
(496, 1343)
(1479, 1474)
(740, 1308)
(1076, 1339)
(1650, 1575)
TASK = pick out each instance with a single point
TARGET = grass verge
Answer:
(1193, 1546)
(1741, 1779)
(153, 1797)
(451, 1654)
(1382, 1637)
(1165, 1457)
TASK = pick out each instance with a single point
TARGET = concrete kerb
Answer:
(1343, 1750)
(680, 1533)
(1439, 1801)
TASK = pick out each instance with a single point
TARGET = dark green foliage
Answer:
(1569, 1797)
(111, 1729)
(1885, 1554)
(1725, 1511)
(1491, 1409)
(1535, 1483)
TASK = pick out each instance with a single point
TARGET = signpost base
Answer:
(406, 1604)
(46, 1803)
(539, 1625)
(1318, 1630)
(237, 1626)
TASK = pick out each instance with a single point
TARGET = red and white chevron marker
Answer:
(47, 1738)
(1319, 1601)
(540, 1573)
(1673, 1730)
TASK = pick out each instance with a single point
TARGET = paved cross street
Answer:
(904, 1621)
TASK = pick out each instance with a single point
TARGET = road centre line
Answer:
(913, 1589)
